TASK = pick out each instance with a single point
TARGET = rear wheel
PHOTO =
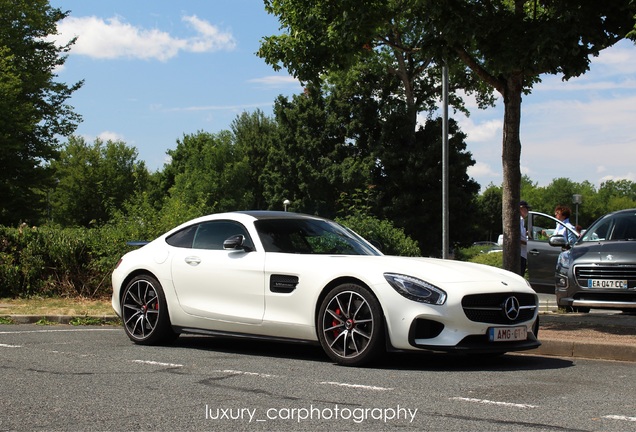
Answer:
(144, 312)
(577, 309)
(350, 325)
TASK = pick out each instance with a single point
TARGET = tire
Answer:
(577, 309)
(145, 313)
(351, 325)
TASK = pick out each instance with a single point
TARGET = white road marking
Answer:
(238, 372)
(360, 386)
(620, 417)
(489, 402)
(55, 331)
(156, 363)
(10, 346)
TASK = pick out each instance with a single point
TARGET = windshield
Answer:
(621, 226)
(310, 236)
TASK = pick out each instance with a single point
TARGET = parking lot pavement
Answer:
(600, 334)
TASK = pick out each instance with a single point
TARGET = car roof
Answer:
(273, 214)
(633, 210)
(244, 216)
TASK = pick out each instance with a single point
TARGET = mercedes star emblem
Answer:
(512, 308)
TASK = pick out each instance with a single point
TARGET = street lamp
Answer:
(577, 199)
(286, 203)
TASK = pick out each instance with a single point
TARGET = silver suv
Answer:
(599, 271)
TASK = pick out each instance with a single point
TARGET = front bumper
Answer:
(448, 328)
(598, 301)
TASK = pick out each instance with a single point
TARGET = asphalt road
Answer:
(93, 378)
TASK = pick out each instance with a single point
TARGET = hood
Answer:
(617, 252)
(439, 271)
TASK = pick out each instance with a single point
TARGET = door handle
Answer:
(534, 252)
(193, 260)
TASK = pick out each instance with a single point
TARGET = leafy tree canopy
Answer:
(94, 180)
(508, 44)
(33, 104)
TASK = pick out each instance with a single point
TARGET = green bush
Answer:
(53, 261)
(494, 259)
(469, 253)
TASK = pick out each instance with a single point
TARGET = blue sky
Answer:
(155, 70)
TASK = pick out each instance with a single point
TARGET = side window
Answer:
(182, 238)
(600, 232)
(211, 235)
(542, 227)
(624, 228)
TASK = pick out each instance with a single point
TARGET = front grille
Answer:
(583, 273)
(489, 308)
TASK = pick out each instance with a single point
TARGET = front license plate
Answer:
(507, 334)
(601, 283)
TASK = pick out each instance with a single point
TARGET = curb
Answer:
(588, 350)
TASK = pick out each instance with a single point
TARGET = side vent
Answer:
(282, 283)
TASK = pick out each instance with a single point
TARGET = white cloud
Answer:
(629, 176)
(487, 131)
(210, 37)
(220, 107)
(110, 136)
(483, 170)
(114, 38)
(275, 81)
(621, 58)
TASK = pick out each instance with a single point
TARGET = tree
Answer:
(94, 180)
(34, 112)
(507, 43)
(616, 195)
(489, 213)
(253, 137)
(311, 162)
(324, 37)
(408, 182)
(209, 173)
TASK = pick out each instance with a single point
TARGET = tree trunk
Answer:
(511, 158)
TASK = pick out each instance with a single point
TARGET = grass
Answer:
(77, 307)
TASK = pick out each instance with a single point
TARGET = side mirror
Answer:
(236, 242)
(559, 241)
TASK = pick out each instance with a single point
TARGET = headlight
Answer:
(564, 262)
(416, 289)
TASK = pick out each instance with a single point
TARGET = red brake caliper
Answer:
(334, 323)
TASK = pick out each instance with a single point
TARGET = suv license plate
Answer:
(603, 283)
(507, 334)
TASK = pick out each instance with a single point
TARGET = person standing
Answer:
(523, 209)
(562, 213)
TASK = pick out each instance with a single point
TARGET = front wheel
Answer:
(575, 309)
(350, 325)
(145, 313)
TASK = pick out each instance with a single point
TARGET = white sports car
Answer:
(287, 276)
